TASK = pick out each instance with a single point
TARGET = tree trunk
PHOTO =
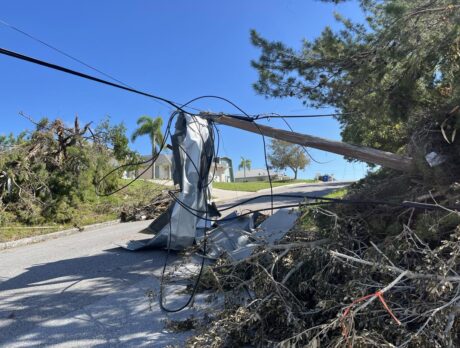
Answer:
(153, 156)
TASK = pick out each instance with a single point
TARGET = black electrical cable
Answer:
(30, 36)
(176, 106)
(267, 166)
(223, 99)
(303, 147)
(204, 191)
(85, 76)
(152, 160)
(60, 51)
(323, 200)
(414, 205)
(203, 187)
(123, 86)
(275, 115)
(195, 286)
(296, 205)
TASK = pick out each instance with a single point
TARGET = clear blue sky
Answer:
(176, 49)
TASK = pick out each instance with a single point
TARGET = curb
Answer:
(54, 235)
(284, 186)
(241, 194)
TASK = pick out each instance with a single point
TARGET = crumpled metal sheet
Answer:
(228, 236)
(238, 238)
(192, 153)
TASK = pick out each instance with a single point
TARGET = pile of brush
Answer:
(152, 210)
(363, 275)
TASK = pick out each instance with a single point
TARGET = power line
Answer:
(122, 85)
(269, 116)
(54, 48)
(60, 51)
(85, 76)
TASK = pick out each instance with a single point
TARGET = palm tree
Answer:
(151, 127)
(245, 163)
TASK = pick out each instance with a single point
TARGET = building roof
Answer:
(256, 172)
(163, 158)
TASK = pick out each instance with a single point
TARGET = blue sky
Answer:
(176, 49)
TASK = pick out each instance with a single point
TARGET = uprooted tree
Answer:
(46, 173)
(364, 275)
(385, 76)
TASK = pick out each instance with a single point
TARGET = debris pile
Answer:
(48, 175)
(363, 275)
(152, 210)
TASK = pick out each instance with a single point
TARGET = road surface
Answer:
(84, 291)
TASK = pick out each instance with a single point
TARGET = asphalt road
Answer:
(315, 190)
(83, 290)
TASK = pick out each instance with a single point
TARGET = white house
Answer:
(221, 168)
(259, 174)
(161, 170)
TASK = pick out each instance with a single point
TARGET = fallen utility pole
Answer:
(366, 154)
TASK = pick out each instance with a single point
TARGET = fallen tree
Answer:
(49, 173)
(364, 275)
(373, 276)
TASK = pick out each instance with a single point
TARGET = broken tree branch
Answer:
(408, 274)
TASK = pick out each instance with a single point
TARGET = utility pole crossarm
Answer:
(366, 154)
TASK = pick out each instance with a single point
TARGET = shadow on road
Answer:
(32, 302)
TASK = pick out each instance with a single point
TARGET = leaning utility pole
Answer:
(366, 154)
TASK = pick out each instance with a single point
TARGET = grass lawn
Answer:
(101, 209)
(256, 185)
(340, 193)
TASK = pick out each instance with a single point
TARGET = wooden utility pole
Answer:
(366, 154)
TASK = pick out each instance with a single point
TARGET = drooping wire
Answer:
(85, 76)
(303, 147)
(322, 201)
(60, 51)
(249, 118)
(204, 190)
(54, 48)
(275, 115)
(150, 160)
(123, 86)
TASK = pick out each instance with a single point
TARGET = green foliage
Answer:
(385, 75)
(287, 155)
(152, 128)
(114, 136)
(340, 193)
(254, 186)
(244, 164)
(53, 171)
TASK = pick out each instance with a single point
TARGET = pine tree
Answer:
(385, 76)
